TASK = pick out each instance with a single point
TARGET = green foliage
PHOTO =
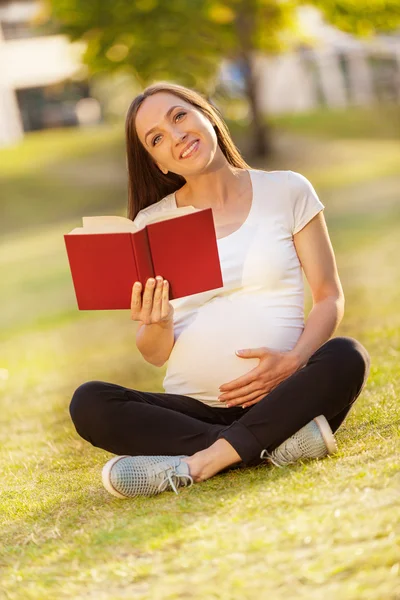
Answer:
(180, 40)
(361, 17)
(185, 41)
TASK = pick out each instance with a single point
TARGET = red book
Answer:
(109, 253)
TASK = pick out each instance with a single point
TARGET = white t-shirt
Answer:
(262, 300)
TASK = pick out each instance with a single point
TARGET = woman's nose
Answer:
(178, 136)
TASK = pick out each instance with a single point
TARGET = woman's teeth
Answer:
(188, 151)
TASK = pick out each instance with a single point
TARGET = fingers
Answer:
(165, 307)
(241, 381)
(255, 401)
(247, 399)
(156, 312)
(152, 305)
(147, 301)
(239, 392)
(136, 300)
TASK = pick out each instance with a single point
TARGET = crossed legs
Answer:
(125, 421)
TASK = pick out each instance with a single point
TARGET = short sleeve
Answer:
(139, 220)
(304, 201)
(158, 207)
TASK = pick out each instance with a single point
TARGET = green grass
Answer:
(380, 122)
(57, 175)
(327, 529)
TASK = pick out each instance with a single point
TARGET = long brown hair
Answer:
(146, 183)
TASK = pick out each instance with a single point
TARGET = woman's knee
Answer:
(84, 402)
(351, 356)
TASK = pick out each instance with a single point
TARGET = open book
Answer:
(109, 253)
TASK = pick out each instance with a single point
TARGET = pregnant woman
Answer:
(248, 381)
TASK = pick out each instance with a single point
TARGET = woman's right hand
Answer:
(154, 307)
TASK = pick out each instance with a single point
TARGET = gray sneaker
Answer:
(129, 476)
(314, 440)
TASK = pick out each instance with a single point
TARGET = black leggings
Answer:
(127, 421)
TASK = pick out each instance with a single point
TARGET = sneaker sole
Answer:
(326, 433)
(106, 476)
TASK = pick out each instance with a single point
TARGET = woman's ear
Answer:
(165, 171)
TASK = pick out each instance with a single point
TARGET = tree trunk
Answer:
(245, 25)
(261, 143)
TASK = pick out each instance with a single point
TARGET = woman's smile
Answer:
(191, 150)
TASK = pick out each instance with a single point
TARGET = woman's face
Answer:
(167, 125)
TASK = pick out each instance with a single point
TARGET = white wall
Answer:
(11, 130)
(286, 84)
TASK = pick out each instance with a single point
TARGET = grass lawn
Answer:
(381, 122)
(323, 529)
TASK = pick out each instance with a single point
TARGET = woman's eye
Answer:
(176, 116)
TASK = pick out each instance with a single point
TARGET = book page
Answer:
(117, 224)
(105, 224)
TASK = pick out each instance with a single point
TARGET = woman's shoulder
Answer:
(282, 181)
(279, 176)
(166, 203)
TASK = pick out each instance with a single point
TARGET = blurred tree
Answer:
(186, 40)
(361, 17)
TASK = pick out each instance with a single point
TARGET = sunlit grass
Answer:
(44, 148)
(55, 175)
(325, 529)
(363, 122)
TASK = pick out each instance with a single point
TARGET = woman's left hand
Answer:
(274, 367)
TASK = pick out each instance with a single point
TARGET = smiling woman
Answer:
(247, 378)
(161, 124)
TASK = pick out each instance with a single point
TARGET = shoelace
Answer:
(284, 455)
(171, 478)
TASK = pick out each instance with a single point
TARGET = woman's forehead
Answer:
(153, 109)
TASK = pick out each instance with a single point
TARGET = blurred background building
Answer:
(44, 84)
(338, 70)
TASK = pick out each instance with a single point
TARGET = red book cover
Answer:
(184, 251)
(105, 264)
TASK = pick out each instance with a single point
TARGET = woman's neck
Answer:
(213, 189)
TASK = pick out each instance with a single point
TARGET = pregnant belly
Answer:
(203, 357)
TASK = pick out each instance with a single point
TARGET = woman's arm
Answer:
(315, 252)
(155, 342)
